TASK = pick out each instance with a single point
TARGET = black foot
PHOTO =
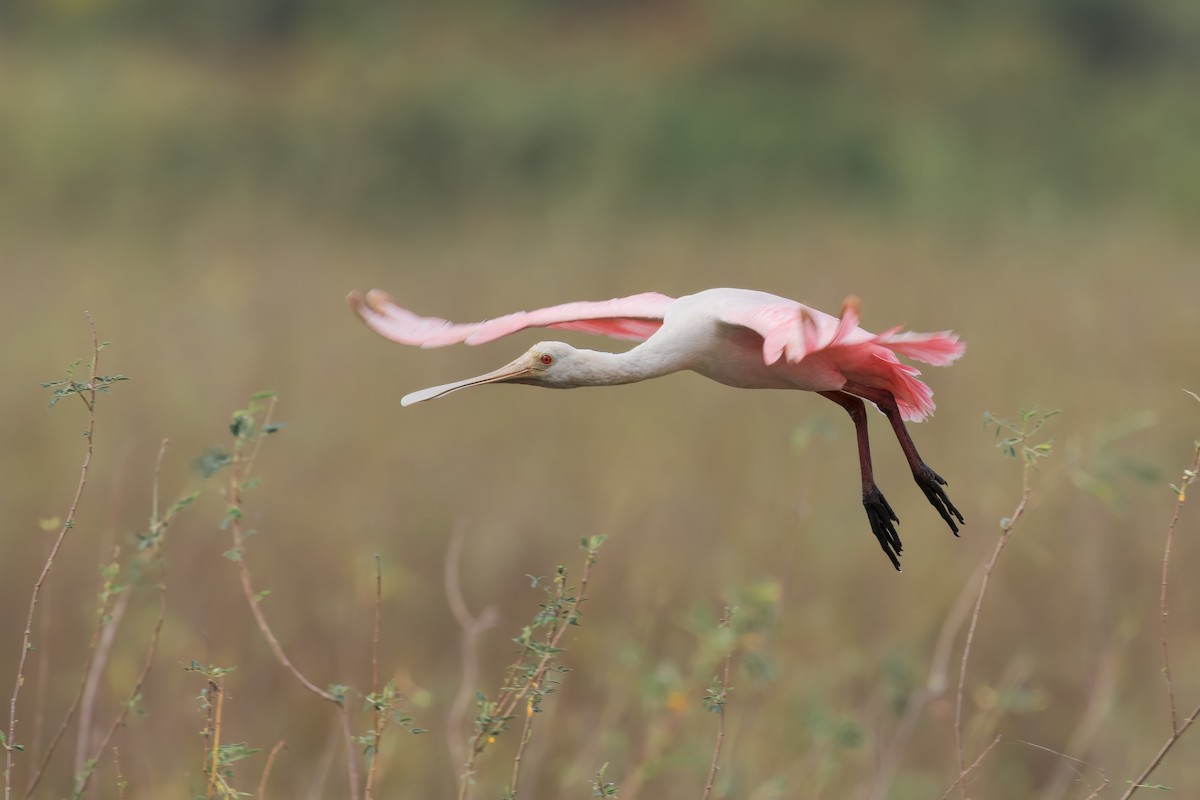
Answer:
(883, 524)
(931, 484)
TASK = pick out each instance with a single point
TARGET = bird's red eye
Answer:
(546, 359)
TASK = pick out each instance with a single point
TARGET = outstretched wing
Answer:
(636, 317)
(793, 332)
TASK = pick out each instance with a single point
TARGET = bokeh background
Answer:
(208, 180)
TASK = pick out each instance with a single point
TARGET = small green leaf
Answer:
(212, 460)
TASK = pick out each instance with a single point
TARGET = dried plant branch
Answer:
(239, 467)
(215, 690)
(964, 773)
(86, 732)
(88, 396)
(1017, 444)
(266, 773)
(108, 611)
(718, 701)
(136, 692)
(472, 627)
(1177, 728)
(120, 778)
(1096, 792)
(102, 613)
(1140, 781)
(91, 681)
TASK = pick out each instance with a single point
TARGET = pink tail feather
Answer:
(938, 349)
(913, 396)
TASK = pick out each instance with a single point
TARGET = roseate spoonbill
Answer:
(742, 338)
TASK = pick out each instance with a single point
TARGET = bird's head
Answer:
(545, 364)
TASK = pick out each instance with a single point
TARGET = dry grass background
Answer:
(213, 281)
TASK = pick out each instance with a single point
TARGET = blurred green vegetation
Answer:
(388, 114)
(209, 179)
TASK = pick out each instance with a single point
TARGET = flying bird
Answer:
(741, 338)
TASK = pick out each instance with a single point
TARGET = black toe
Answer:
(883, 524)
(931, 484)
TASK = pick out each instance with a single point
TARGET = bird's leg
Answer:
(883, 520)
(930, 482)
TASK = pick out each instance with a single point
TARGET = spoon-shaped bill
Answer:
(510, 372)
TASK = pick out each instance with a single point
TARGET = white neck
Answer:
(596, 368)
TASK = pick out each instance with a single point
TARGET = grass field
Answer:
(211, 208)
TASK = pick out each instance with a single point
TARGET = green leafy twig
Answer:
(602, 788)
(218, 758)
(113, 586)
(714, 701)
(528, 679)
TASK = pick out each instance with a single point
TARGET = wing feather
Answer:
(635, 318)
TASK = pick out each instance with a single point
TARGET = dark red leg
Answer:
(883, 520)
(930, 482)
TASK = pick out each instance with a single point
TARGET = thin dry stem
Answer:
(1188, 476)
(1005, 535)
(120, 777)
(964, 773)
(714, 766)
(1177, 730)
(1140, 781)
(10, 743)
(526, 735)
(378, 718)
(86, 733)
(1096, 792)
(266, 773)
(238, 469)
(43, 670)
(216, 691)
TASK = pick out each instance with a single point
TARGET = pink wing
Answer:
(793, 332)
(636, 318)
